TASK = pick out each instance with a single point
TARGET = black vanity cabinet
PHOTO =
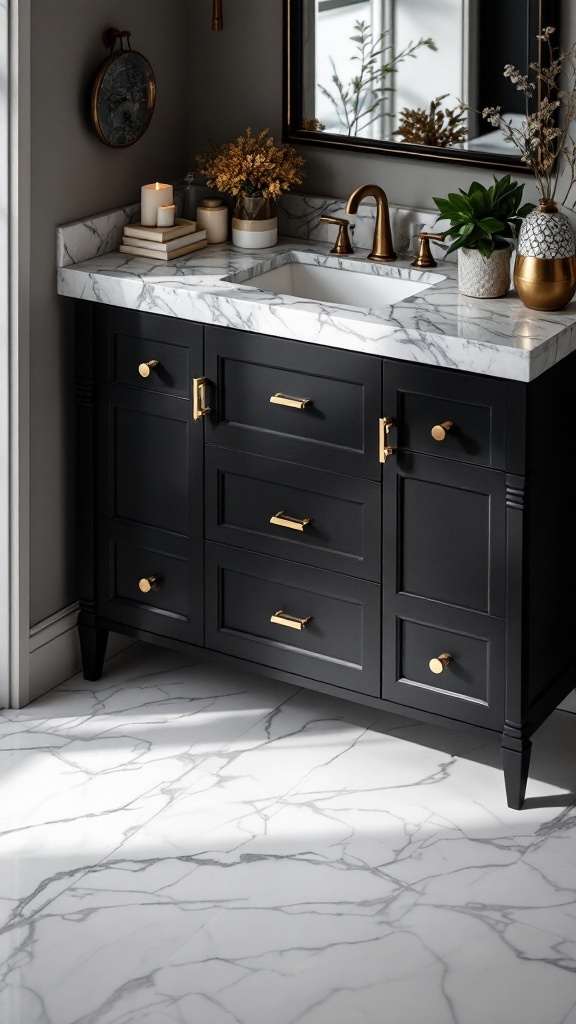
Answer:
(395, 533)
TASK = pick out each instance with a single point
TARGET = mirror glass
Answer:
(400, 73)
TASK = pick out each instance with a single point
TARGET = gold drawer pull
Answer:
(384, 448)
(441, 429)
(292, 403)
(281, 618)
(149, 583)
(145, 368)
(437, 665)
(198, 398)
(281, 519)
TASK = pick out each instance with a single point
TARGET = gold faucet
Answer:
(382, 249)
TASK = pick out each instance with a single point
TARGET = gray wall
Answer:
(73, 174)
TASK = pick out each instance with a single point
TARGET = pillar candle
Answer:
(152, 198)
(166, 216)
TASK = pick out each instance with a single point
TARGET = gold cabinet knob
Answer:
(437, 665)
(441, 429)
(149, 583)
(145, 369)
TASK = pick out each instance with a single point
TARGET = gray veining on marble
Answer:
(299, 217)
(185, 843)
(440, 327)
(96, 236)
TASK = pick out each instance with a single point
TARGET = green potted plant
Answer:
(483, 223)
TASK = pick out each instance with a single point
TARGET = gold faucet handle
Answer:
(343, 246)
(425, 259)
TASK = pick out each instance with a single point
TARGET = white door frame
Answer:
(14, 348)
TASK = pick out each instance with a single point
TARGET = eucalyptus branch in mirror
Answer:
(357, 103)
(435, 126)
(546, 135)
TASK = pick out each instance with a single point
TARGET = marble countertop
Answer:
(438, 326)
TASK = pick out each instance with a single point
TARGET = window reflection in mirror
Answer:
(406, 71)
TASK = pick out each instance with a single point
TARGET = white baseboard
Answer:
(55, 650)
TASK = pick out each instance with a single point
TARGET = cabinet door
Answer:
(300, 403)
(150, 469)
(444, 587)
(157, 354)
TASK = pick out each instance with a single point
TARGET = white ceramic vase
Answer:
(547, 234)
(484, 277)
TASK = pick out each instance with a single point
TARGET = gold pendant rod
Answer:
(217, 17)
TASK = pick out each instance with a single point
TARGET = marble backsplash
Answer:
(298, 217)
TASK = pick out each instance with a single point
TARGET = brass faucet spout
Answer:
(382, 248)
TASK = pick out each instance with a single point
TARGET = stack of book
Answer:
(163, 243)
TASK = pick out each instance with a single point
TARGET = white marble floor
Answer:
(183, 843)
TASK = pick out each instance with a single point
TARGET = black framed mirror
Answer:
(389, 75)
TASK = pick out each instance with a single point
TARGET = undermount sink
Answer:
(338, 282)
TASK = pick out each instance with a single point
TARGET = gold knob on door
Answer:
(441, 429)
(145, 369)
(149, 583)
(437, 665)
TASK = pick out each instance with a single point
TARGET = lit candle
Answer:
(166, 216)
(152, 197)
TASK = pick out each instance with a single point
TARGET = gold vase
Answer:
(545, 284)
(545, 268)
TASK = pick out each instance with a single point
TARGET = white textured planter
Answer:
(484, 277)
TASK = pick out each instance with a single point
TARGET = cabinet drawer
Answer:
(339, 642)
(332, 423)
(466, 413)
(468, 683)
(168, 345)
(172, 606)
(339, 517)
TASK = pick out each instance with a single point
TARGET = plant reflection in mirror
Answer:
(358, 102)
(433, 127)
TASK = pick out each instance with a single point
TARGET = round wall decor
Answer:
(124, 94)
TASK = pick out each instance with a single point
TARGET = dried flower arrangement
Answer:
(433, 127)
(547, 134)
(357, 103)
(253, 166)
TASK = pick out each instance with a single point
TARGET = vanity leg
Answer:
(516, 750)
(93, 642)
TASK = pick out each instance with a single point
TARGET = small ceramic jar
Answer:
(212, 217)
